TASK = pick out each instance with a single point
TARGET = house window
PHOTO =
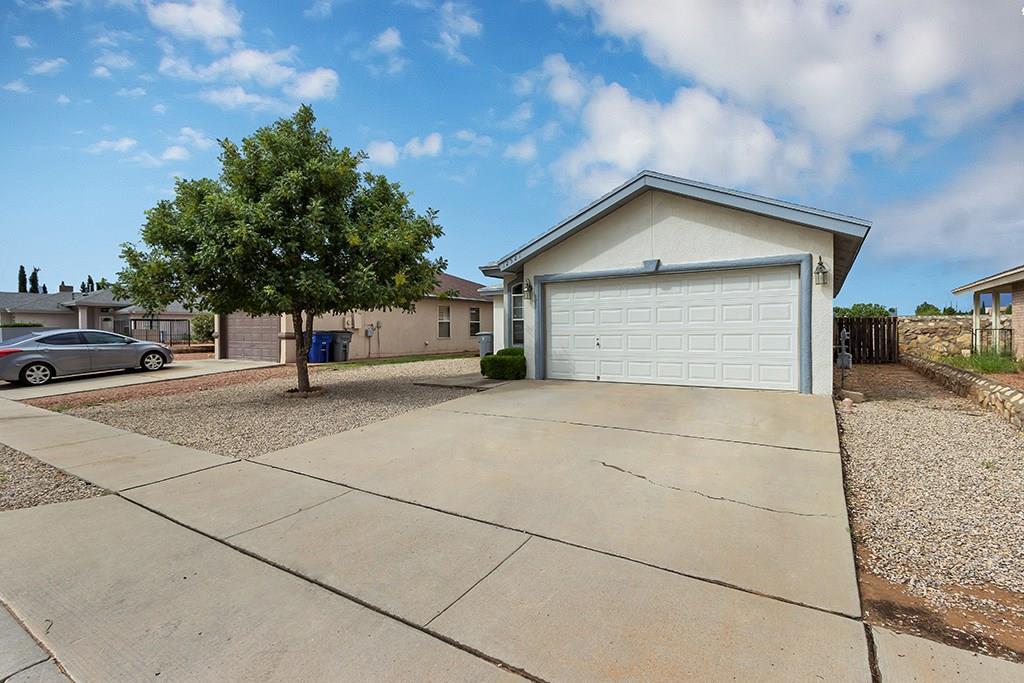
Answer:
(517, 313)
(444, 322)
(474, 322)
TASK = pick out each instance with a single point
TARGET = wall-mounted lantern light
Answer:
(821, 273)
(527, 291)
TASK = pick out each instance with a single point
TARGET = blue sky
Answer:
(506, 116)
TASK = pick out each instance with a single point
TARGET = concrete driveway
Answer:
(561, 531)
(122, 378)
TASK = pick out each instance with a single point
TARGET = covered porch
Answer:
(998, 335)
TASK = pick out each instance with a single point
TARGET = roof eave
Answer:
(856, 228)
(1004, 278)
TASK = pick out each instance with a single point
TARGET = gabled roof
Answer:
(849, 231)
(1000, 279)
(467, 289)
(35, 303)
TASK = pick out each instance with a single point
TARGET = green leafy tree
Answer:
(89, 284)
(292, 226)
(925, 308)
(863, 311)
(102, 283)
(952, 310)
(22, 279)
(202, 326)
(45, 291)
(33, 281)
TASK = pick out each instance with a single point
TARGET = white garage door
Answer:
(731, 328)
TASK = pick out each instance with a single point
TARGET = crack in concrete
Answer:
(290, 514)
(631, 429)
(708, 495)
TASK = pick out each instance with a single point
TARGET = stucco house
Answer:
(1011, 282)
(440, 324)
(99, 310)
(669, 281)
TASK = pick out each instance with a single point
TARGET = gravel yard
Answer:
(935, 485)
(26, 482)
(250, 419)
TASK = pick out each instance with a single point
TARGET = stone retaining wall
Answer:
(940, 335)
(1006, 401)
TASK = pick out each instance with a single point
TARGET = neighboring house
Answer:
(98, 310)
(670, 281)
(1007, 282)
(440, 324)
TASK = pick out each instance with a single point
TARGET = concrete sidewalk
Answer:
(106, 456)
(121, 378)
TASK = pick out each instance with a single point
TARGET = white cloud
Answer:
(160, 108)
(175, 153)
(115, 60)
(430, 146)
(23, 42)
(118, 145)
(695, 135)
(101, 72)
(564, 84)
(131, 92)
(17, 85)
(320, 9)
(47, 67)
(473, 142)
(382, 152)
(211, 21)
(235, 96)
(194, 138)
(388, 40)
(837, 71)
(107, 37)
(457, 22)
(521, 116)
(523, 150)
(63, 100)
(55, 6)
(318, 84)
(976, 217)
(387, 45)
(247, 65)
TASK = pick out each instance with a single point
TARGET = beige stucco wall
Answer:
(406, 334)
(659, 225)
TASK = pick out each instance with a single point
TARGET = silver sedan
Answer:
(38, 357)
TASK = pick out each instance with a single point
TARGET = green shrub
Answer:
(503, 366)
(511, 351)
(202, 327)
(984, 363)
(22, 325)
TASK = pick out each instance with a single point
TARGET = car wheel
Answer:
(36, 374)
(153, 360)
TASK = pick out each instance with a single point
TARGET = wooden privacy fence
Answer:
(872, 340)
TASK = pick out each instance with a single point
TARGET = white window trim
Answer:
(512, 313)
(474, 322)
(447, 319)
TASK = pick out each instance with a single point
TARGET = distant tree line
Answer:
(29, 283)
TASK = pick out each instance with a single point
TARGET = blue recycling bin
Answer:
(320, 349)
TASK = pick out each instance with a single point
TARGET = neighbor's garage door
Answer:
(733, 328)
(253, 338)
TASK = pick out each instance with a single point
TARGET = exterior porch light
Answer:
(527, 290)
(821, 273)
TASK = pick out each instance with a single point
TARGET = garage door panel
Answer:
(729, 328)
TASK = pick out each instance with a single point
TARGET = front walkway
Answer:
(673, 534)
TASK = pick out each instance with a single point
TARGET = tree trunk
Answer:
(302, 342)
